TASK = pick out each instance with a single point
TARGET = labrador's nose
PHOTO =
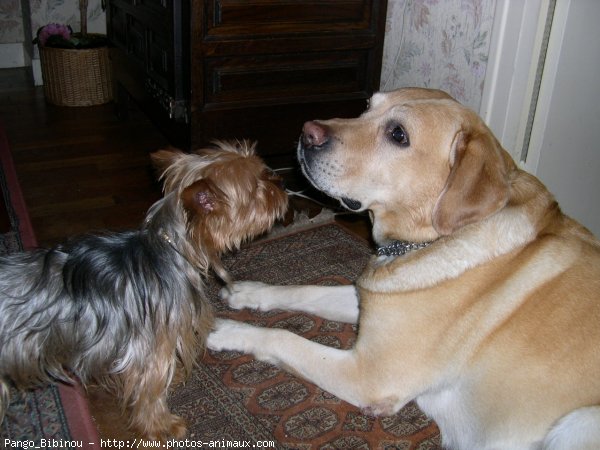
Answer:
(314, 134)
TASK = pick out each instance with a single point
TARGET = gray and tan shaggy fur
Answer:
(127, 310)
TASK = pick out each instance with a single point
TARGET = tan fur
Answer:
(494, 328)
(244, 195)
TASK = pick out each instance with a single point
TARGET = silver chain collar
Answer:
(400, 248)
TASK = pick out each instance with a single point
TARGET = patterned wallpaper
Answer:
(67, 12)
(11, 22)
(46, 11)
(441, 44)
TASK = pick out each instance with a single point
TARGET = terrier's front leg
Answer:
(338, 303)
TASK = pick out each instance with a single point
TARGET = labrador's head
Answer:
(420, 162)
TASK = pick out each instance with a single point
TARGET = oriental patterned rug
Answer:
(234, 397)
(55, 415)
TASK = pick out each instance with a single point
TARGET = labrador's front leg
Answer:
(334, 370)
(338, 303)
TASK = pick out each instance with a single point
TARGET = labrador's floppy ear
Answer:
(477, 185)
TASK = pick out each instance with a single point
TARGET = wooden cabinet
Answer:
(253, 69)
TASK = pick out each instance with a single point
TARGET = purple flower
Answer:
(53, 29)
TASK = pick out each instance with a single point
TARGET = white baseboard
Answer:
(36, 69)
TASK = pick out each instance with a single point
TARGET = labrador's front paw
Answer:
(245, 294)
(229, 335)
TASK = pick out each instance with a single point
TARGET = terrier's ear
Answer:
(201, 198)
(162, 159)
(477, 185)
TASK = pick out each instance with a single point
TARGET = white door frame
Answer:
(510, 82)
(561, 14)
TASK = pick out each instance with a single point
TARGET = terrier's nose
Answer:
(314, 134)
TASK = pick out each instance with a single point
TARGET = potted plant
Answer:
(75, 66)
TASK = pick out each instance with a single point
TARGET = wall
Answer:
(66, 11)
(12, 34)
(20, 20)
(11, 22)
(442, 44)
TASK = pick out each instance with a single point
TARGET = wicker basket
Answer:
(76, 77)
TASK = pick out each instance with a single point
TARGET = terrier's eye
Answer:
(400, 136)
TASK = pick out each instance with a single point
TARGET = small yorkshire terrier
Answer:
(124, 310)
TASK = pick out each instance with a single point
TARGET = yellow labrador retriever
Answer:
(484, 302)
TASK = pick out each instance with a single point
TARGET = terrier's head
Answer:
(227, 194)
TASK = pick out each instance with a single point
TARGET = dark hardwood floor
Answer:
(82, 169)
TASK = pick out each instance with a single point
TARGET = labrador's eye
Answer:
(400, 136)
